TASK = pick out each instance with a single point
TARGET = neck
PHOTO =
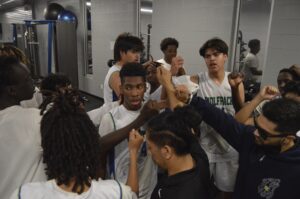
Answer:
(6, 102)
(253, 52)
(154, 86)
(168, 61)
(218, 76)
(180, 164)
(69, 187)
(120, 63)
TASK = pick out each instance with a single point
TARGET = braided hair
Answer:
(70, 141)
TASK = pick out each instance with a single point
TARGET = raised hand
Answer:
(235, 79)
(268, 92)
(176, 64)
(135, 141)
(164, 77)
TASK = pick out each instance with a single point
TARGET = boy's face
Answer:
(214, 60)
(170, 52)
(130, 56)
(24, 88)
(132, 89)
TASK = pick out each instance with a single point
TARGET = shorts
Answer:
(224, 174)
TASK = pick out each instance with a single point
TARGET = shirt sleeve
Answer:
(127, 193)
(235, 133)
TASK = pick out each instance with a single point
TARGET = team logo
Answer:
(267, 187)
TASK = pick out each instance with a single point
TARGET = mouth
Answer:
(135, 102)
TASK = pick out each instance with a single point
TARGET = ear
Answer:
(166, 152)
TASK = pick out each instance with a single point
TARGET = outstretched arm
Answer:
(135, 141)
(266, 93)
(237, 89)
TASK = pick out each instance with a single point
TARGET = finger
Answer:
(151, 58)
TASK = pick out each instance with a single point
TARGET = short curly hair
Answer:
(168, 42)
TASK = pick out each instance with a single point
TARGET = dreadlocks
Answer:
(70, 141)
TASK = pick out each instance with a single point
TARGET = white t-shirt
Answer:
(20, 148)
(107, 91)
(97, 114)
(165, 64)
(147, 170)
(36, 100)
(250, 61)
(217, 149)
(101, 189)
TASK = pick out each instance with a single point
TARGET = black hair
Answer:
(53, 82)
(131, 70)
(70, 141)
(10, 50)
(174, 129)
(292, 87)
(253, 43)
(168, 42)
(216, 44)
(285, 113)
(126, 42)
(293, 73)
(7, 71)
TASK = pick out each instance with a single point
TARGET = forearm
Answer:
(245, 113)
(132, 179)
(238, 97)
(110, 140)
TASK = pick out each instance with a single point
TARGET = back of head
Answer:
(174, 129)
(293, 73)
(253, 43)
(126, 42)
(285, 113)
(70, 141)
(55, 81)
(7, 64)
(132, 70)
(216, 44)
(168, 42)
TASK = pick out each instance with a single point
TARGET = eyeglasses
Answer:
(265, 134)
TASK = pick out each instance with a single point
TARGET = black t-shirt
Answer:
(190, 184)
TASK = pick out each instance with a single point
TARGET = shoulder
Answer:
(112, 189)
(33, 190)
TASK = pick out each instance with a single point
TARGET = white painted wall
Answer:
(191, 23)
(284, 44)
(254, 23)
(109, 19)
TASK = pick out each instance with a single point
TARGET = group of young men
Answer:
(256, 161)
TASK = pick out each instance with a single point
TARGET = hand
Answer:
(182, 93)
(176, 64)
(268, 92)
(148, 63)
(164, 77)
(135, 141)
(149, 110)
(235, 79)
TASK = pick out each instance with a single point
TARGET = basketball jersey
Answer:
(217, 149)
(119, 117)
(108, 93)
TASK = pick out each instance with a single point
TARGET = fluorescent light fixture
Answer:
(88, 3)
(145, 10)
